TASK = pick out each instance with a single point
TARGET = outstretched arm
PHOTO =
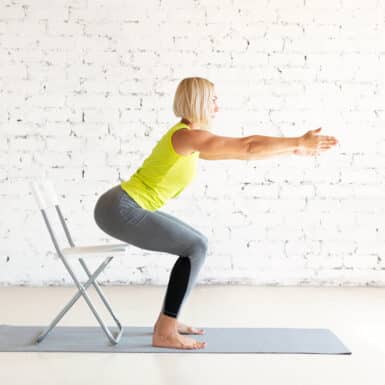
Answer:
(262, 147)
(212, 146)
(247, 156)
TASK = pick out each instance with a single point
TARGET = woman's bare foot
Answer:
(185, 329)
(177, 341)
(182, 328)
(166, 334)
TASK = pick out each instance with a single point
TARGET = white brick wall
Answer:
(87, 89)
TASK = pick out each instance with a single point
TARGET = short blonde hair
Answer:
(192, 100)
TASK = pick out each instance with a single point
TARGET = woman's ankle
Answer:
(166, 323)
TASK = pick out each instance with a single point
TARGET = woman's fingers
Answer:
(322, 144)
(327, 142)
(327, 139)
(331, 139)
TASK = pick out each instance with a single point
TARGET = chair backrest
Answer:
(46, 197)
(45, 194)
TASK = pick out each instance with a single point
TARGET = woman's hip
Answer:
(116, 208)
(123, 219)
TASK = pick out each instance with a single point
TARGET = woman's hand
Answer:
(312, 144)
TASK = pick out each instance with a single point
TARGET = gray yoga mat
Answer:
(138, 339)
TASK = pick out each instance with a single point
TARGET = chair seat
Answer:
(95, 249)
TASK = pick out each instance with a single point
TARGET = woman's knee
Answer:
(200, 246)
(205, 242)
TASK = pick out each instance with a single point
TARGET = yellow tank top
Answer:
(163, 175)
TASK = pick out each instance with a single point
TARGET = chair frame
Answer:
(45, 198)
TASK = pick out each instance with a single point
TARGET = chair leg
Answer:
(99, 291)
(82, 292)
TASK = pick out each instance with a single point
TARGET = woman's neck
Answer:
(190, 124)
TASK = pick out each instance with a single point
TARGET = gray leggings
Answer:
(118, 215)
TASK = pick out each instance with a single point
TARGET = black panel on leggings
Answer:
(177, 286)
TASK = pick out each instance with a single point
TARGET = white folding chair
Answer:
(46, 197)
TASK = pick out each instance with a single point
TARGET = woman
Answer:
(130, 210)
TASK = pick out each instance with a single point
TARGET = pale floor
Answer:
(355, 315)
